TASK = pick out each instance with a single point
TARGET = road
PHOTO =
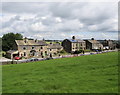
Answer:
(3, 59)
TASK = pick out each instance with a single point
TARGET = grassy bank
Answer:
(83, 74)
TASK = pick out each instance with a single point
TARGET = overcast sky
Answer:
(60, 20)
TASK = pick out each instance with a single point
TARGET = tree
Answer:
(0, 44)
(8, 40)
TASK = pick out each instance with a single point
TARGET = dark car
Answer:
(49, 58)
(32, 59)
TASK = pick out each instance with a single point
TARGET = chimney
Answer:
(92, 38)
(25, 39)
(73, 37)
(36, 40)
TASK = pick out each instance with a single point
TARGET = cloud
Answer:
(59, 20)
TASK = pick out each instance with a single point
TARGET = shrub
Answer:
(87, 50)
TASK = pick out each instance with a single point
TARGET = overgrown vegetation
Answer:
(83, 74)
(8, 40)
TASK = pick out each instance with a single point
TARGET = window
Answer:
(46, 52)
(24, 48)
(50, 49)
(41, 53)
(24, 53)
(33, 47)
(41, 47)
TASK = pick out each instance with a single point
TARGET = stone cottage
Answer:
(108, 44)
(93, 44)
(32, 48)
(72, 45)
(54, 49)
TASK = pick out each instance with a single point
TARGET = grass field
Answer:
(84, 74)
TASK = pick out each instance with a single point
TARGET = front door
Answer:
(32, 52)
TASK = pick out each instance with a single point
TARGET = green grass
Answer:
(84, 74)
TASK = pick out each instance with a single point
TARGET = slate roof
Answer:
(94, 41)
(30, 42)
(12, 51)
(54, 46)
(76, 40)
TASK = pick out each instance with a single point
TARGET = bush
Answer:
(80, 50)
(87, 50)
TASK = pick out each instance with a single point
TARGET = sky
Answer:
(60, 20)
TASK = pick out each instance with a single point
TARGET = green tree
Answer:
(8, 40)
(0, 44)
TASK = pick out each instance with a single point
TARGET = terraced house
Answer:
(31, 48)
(93, 44)
(72, 45)
(54, 49)
(108, 44)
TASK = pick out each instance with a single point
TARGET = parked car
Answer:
(49, 58)
(32, 59)
(91, 53)
(17, 58)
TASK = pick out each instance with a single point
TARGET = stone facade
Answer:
(35, 48)
(108, 44)
(72, 45)
(93, 44)
(29, 48)
(54, 49)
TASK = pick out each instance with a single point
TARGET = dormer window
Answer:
(33, 47)
(24, 48)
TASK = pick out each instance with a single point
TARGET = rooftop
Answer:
(30, 42)
(75, 40)
(54, 46)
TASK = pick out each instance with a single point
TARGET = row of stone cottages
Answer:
(39, 48)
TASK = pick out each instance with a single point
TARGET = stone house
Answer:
(108, 44)
(33, 48)
(54, 49)
(72, 45)
(28, 48)
(93, 44)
